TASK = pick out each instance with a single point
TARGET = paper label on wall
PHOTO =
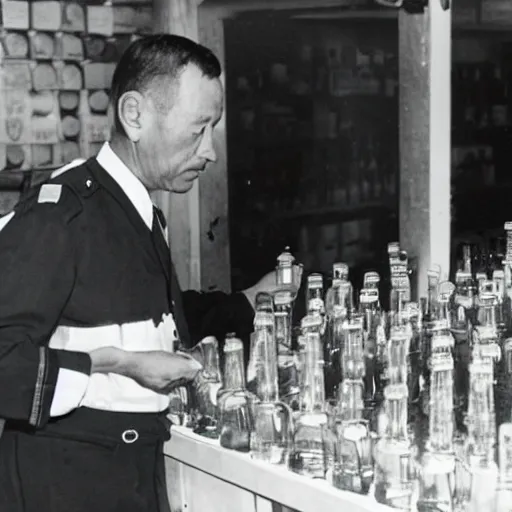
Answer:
(15, 111)
(14, 15)
(97, 128)
(70, 47)
(15, 45)
(100, 20)
(15, 75)
(45, 130)
(73, 17)
(46, 15)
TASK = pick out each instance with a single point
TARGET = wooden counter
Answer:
(203, 477)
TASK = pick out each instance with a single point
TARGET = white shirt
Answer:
(110, 391)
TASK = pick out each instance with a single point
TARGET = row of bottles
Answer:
(481, 96)
(411, 406)
(350, 172)
(335, 68)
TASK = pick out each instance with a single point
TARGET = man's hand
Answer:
(156, 370)
(268, 284)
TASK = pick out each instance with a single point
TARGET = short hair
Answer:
(156, 57)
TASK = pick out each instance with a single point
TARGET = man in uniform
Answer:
(90, 307)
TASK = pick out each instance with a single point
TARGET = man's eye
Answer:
(200, 131)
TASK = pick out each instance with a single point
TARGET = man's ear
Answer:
(129, 111)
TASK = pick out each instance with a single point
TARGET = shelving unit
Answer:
(312, 136)
(481, 129)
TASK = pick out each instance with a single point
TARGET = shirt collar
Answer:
(131, 185)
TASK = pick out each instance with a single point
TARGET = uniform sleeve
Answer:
(217, 314)
(37, 274)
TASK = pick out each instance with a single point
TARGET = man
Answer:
(90, 306)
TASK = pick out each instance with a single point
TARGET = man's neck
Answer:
(125, 150)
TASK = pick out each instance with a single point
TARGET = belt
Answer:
(104, 428)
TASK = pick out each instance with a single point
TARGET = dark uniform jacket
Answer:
(77, 263)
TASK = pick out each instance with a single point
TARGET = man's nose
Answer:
(206, 149)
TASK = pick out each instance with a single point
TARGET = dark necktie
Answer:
(164, 254)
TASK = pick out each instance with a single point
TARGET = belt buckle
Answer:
(130, 436)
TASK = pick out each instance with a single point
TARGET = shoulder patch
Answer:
(49, 193)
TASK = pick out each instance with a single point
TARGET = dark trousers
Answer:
(51, 473)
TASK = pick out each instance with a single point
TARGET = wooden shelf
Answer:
(483, 27)
(340, 212)
(479, 136)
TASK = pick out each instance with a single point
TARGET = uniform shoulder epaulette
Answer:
(63, 196)
(49, 193)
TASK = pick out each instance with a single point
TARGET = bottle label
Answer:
(369, 296)
(282, 298)
(316, 304)
(311, 322)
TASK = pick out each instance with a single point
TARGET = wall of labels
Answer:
(56, 64)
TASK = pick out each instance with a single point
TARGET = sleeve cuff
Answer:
(61, 382)
(76, 361)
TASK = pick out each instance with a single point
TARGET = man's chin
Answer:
(183, 187)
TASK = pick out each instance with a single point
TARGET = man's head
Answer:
(166, 98)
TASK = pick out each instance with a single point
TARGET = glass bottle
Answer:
(504, 491)
(397, 292)
(486, 332)
(341, 292)
(437, 474)
(312, 441)
(288, 279)
(398, 355)
(481, 437)
(353, 461)
(203, 394)
(431, 312)
(314, 295)
(236, 404)
(369, 305)
(286, 359)
(503, 303)
(267, 388)
(285, 270)
(413, 313)
(352, 356)
(394, 451)
(271, 438)
(264, 304)
(464, 299)
(433, 276)
(507, 262)
(333, 346)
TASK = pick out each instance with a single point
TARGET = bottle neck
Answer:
(314, 391)
(441, 428)
(234, 375)
(481, 426)
(266, 355)
(211, 368)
